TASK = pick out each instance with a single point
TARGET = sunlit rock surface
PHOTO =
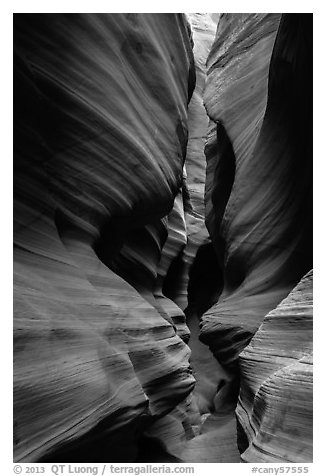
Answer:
(275, 403)
(199, 256)
(192, 282)
(214, 435)
(259, 154)
(100, 142)
(203, 27)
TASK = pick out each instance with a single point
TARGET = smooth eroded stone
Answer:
(275, 403)
(259, 169)
(100, 140)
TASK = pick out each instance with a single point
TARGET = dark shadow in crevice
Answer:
(101, 444)
(151, 450)
(242, 439)
(223, 182)
(205, 281)
(173, 276)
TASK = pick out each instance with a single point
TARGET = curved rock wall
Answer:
(100, 141)
(191, 280)
(200, 272)
(259, 154)
(275, 402)
(176, 286)
(258, 213)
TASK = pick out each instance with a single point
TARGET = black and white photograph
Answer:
(163, 245)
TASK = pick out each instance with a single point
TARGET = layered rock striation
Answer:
(100, 140)
(275, 402)
(191, 282)
(258, 213)
(259, 154)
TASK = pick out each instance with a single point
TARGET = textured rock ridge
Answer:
(259, 155)
(214, 438)
(275, 402)
(99, 151)
(191, 282)
(176, 286)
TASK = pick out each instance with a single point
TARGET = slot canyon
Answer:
(163, 238)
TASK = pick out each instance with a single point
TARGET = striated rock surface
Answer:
(191, 282)
(213, 437)
(275, 402)
(201, 272)
(258, 213)
(259, 155)
(203, 30)
(177, 284)
(123, 299)
(100, 139)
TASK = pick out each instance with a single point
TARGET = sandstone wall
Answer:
(259, 154)
(100, 142)
(258, 213)
(275, 402)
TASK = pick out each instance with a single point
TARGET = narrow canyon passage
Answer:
(163, 238)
